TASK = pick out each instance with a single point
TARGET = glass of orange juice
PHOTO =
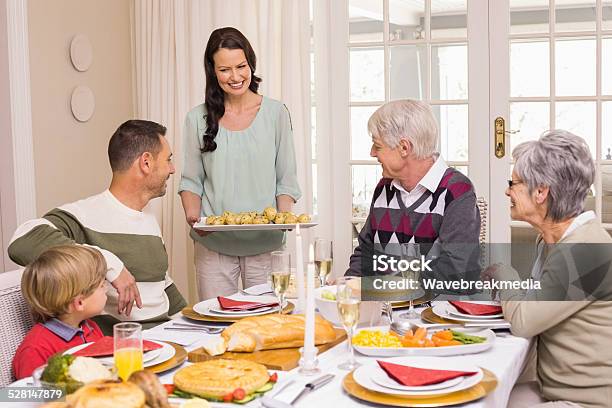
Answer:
(127, 348)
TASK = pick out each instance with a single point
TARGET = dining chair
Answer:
(15, 322)
(482, 205)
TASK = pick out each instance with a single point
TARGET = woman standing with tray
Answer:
(238, 156)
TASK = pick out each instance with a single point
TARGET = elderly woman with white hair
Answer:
(550, 182)
(419, 199)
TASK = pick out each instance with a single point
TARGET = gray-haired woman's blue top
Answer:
(246, 172)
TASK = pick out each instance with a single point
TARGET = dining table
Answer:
(506, 359)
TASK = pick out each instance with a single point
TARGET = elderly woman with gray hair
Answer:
(420, 199)
(550, 182)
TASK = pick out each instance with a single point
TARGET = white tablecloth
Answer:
(505, 359)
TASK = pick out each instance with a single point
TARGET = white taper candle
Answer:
(299, 269)
(309, 335)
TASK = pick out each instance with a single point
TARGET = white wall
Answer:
(71, 157)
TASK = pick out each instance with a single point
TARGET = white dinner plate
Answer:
(220, 311)
(380, 377)
(166, 352)
(443, 310)
(202, 226)
(363, 375)
(455, 312)
(208, 307)
(430, 351)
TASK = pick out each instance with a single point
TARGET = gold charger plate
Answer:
(429, 316)
(179, 358)
(427, 297)
(483, 388)
(189, 313)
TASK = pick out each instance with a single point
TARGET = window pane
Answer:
(449, 72)
(528, 16)
(453, 123)
(365, 21)
(364, 180)
(606, 66)
(606, 15)
(367, 74)
(606, 131)
(606, 193)
(578, 118)
(407, 68)
(575, 67)
(529, 68)
(406, 20)
(575, 15)
(361, 142)
(448, 18)
(463, 169)
(530, 118)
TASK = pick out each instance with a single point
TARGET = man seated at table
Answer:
(419, 199)
(114, 223)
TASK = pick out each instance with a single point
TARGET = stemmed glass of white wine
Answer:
(348, 298)
(323, 257)
(410, 252)
(280, 274)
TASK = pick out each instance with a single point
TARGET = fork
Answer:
(244, 292)
(208, 330)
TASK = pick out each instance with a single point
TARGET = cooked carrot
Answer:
(444, 334)
(420, 333)
(391, 332)
(429, 343)
(443, 343)
(412, 342)
(408, 334)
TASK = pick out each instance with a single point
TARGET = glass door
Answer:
(383, 50)
(558, 74)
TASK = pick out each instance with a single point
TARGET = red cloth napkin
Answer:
(412, 376)
(231, 304)
(476, 309)
(104, 347)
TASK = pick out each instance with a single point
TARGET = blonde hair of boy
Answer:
(58, 276)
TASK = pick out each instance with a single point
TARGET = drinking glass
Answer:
(410, 252)
(323, 257)
(348, 299)
(280, 274)
(127, 340)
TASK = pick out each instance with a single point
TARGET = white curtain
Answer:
(169, 38)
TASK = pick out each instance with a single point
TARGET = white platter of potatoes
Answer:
(268, 219)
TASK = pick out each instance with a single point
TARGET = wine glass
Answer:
(280, 274)
(127, 347)
(348, 299)
(410, 252)
(323, 257)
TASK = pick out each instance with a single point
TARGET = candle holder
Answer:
(309, 362)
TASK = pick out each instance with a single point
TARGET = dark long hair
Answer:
(226, 37)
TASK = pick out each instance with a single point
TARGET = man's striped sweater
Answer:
(125, 237)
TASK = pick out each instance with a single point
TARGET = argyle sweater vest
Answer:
(391, 221)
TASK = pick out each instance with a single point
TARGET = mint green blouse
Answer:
(246, 172)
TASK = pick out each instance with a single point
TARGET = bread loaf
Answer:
(274, 331)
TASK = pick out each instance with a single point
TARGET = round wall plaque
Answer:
(81, 53)
(82, 103)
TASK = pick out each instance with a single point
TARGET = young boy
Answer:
(65, 286)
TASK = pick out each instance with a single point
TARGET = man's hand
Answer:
(192, 220)
(128, 292)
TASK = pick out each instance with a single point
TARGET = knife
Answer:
(313, 385)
